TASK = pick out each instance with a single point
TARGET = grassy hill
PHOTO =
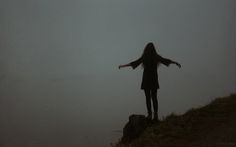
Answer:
(213, 125)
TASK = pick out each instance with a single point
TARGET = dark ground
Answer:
(213, 125)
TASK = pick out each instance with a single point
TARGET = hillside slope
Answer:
(213, 125)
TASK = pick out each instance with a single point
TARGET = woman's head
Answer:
(149, 50)
(149, 55)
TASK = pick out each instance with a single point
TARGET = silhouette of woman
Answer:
(150, 61)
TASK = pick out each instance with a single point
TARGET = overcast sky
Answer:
(59, 64)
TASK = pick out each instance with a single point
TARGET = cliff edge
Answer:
(213, 125)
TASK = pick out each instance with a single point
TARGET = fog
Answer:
(59, 79)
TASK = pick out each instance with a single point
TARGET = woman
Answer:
(150, 61)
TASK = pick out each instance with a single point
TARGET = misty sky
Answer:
(59, 64)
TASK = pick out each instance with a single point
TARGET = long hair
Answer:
(149, 56)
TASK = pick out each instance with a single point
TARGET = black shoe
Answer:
(155, 119)
(149, 117)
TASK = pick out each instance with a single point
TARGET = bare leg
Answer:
(155, 103)
(148, 103)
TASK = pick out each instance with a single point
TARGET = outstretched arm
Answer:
(133, 64)
(124, 65)
(167, 62)
(176, 63)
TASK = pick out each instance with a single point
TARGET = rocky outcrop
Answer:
(213, 125)
(134, 128)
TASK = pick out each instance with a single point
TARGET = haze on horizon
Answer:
(59, 78)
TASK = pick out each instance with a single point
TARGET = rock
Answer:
(134, 128)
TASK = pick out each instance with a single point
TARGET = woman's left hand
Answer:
(178, 64)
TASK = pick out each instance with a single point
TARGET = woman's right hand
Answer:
(125, 65)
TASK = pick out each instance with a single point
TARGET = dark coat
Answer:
(150, 75)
